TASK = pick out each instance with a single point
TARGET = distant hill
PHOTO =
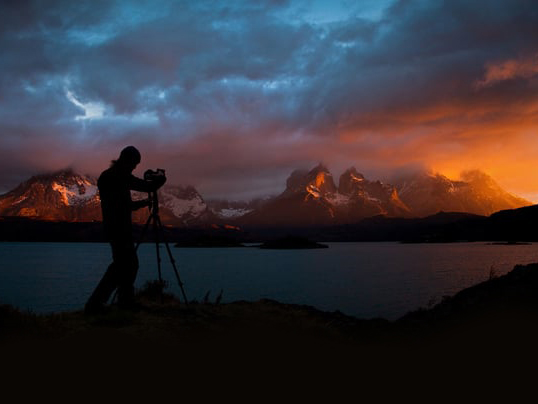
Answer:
(509, 225)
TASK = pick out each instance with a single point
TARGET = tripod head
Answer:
(151, 175)
(157, 175)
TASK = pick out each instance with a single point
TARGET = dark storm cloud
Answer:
(427, 52)
(230, 95)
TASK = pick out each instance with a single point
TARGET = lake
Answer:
(364, 280)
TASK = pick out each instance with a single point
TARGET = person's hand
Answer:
(142, 203)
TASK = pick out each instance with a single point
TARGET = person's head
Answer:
(129, 158)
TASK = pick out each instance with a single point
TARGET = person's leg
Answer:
(104, 290)
(128, 269)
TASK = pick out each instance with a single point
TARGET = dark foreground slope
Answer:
(476, 346)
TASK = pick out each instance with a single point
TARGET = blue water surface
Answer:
(365, 280)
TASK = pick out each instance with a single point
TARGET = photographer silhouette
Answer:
(115, 185)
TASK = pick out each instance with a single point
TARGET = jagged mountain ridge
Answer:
(369, 198)
(68, 196)
(311, 198)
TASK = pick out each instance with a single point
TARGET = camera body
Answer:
(152, 175)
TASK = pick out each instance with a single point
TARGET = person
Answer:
(115, 185)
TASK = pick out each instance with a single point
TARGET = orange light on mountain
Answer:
(320, 179)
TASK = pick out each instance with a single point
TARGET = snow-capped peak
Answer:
(233, 213)
(79, 192)
(183, 201)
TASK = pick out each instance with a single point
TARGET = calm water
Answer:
(360, 279)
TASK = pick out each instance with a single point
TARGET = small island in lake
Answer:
(209, 241)
(509, 243)
(291, 242)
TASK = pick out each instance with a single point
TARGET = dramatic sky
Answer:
(231, 96)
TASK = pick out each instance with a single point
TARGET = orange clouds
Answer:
(509, 69)
(494, 129)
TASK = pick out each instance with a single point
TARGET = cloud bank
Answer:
(232, 96)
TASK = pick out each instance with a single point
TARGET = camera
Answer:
(152, 175)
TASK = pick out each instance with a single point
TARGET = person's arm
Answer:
(138, 184)
(135, 205)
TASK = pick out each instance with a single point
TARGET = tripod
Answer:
(158, 232)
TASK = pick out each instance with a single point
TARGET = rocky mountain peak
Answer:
(321, 180)
(317, 182)
(350, 181)
(296, 181)
(320, 168)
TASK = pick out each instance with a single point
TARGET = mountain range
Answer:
(68, 196)
(310, 198)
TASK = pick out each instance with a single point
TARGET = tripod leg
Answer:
(144, 231)
(156, 222)
(172, 260)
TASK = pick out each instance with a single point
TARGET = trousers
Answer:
(120, 275)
